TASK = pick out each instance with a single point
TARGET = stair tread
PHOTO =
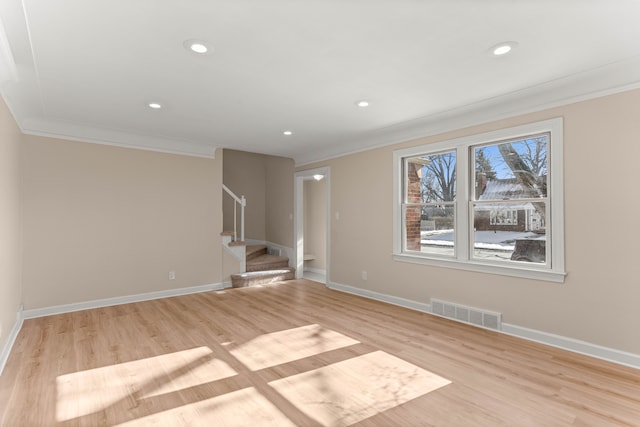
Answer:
(267, 259)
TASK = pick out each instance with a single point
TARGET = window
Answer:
(491, 202)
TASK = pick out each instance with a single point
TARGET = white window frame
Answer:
(554, 270)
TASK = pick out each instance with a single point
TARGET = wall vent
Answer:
(470, 315)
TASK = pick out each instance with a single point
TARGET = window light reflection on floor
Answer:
(286, 346)
(135, 393)
(86, 392)
(347, 392)
(235, 409)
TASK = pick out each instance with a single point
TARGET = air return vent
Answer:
(461, 313)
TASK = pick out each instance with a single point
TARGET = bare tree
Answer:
(529, 167)
(439, 178)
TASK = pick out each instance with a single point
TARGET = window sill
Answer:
(525, 273)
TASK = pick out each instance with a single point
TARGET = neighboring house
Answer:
(512, 216)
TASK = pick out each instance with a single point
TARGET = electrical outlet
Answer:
(364, 274)
(172, 275)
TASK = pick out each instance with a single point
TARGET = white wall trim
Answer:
(298, 217)
(553, 269)
(577, 346)
(116, 138)
(565, 343)
(315, 270)
(574, 345)
(86, 305)
(13, 335)
(402, 302)
(584, 86)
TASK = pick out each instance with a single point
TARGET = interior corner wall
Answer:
(10, 224)
(267, 183)
(102, 221)
(244, 173)
(279, 200)
(598, 301)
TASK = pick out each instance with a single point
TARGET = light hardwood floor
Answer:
(297, 354)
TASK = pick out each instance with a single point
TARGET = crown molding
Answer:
(116, 138)
(607, 80)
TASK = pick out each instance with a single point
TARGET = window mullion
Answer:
(462, 237)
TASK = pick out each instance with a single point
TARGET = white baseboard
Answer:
(316, 270)
(402, 302)
(570, 344)
(68, 308)
(565, 343)
(574, 345)
(11, 339)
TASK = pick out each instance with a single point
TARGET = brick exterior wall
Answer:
(413, 215)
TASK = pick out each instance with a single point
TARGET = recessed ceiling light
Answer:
(196, 46)
(362, 103)
(154, 105)
(503, 48)
(199, 48)
(287, 132)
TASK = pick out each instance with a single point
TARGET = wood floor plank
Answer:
(297, 353)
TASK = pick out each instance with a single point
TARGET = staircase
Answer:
(262, 268)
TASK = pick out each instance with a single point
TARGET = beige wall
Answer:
(103, 222)
(10, 223)
(267, 183)
(315, 223)
(279, 201)
(244, 174)
(598, 302)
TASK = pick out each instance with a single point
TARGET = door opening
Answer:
(312, 222)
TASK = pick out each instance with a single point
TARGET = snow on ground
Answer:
(496, 240)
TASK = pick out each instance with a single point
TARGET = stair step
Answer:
(243, 280)
(267, 262)
(254, 251)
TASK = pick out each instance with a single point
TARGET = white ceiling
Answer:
(87, 69)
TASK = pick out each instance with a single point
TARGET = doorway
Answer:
(312, 224)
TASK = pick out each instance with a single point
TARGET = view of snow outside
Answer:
(504, 172)
(488, 244)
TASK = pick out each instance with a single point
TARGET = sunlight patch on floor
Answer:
(86, 392)
(236, 409)
(286, 346)
(350, 391)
